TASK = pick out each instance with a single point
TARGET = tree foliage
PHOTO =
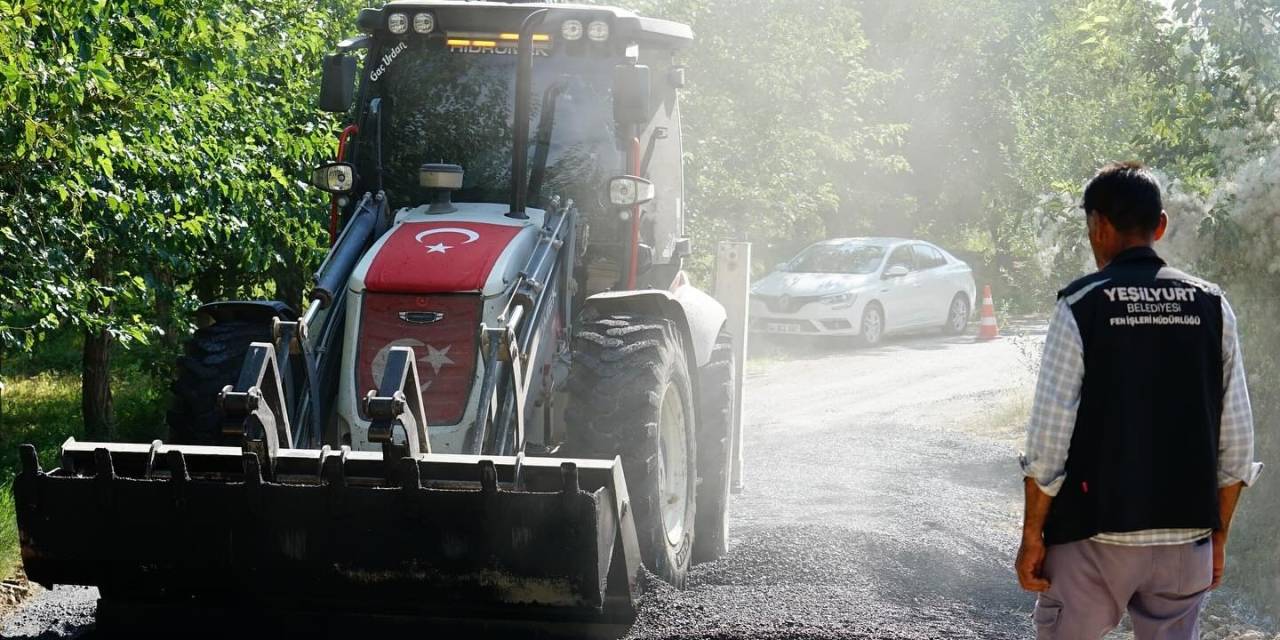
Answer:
(162, 141)
(779, 146)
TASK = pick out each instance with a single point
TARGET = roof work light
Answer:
(424, 23)
(398, 23)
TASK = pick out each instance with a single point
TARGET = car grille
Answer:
(785, 303)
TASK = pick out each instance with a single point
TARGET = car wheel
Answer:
(957, 315)
(872, 328)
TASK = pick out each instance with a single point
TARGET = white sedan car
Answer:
(865, 287)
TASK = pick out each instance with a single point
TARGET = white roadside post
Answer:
(733, 281)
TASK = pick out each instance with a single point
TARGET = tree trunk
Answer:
(165, 296)
(289, 281)
(96, 404)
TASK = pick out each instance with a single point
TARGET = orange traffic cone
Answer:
(987, 328)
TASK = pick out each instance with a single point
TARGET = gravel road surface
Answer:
(882, 501)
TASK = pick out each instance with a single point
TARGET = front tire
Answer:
(212, 360)
(872, 328)
(630, 395)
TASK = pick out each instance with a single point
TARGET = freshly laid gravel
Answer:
(63, 612)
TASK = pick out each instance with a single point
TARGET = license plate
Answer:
(782, 327)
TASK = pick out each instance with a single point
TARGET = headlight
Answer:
(598, 31)
(334, 177)
(839, 300)
(424, 23)
(398, 23)
(571, 29)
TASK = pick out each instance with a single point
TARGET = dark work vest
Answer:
(1144, 453)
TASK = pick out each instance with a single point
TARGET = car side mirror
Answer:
(896, 271)
(628, 191)
(337, 83)
(631, 85)
(781, 266)
(334, 177)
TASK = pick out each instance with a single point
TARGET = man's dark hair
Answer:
(1126, 194)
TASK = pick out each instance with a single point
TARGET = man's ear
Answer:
(1098, 225)
(1161, 226)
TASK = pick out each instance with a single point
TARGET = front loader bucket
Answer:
(332, 532)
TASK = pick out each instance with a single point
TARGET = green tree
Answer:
(780, 149)
(158, 145)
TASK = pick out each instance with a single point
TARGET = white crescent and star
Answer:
(441, 247)
(435, 358)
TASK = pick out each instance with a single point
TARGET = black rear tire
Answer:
(212, 360)
(625, 369)
(715, 452)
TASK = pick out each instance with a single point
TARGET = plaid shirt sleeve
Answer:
(1235, 440)
(1057, 397)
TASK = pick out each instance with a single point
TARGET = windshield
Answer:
(454, 105)
(856, 259)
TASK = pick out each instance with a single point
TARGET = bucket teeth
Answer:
(410, 475)
(252, 469)
(454, 536)
(151, 458)
(334, 472)
(569, 479)
(30, 461)
(102, 461)
(177, 466)
(488, 477)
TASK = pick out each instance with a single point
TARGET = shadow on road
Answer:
(803, 347)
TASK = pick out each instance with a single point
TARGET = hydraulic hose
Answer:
(333, 274)
(333, 200)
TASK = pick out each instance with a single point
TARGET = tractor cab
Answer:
(440, 84)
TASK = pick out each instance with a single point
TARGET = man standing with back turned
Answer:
(1141, 435)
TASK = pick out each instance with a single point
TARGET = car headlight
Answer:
(839, 300)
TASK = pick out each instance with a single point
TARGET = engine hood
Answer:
(809, 284)
(475, 249)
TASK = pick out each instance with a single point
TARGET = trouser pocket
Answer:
(1197, 567)
(1046, 616)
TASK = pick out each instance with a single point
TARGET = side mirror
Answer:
(335, 177)
(628, 191)
(631, 94)
(337, 83)
(781, 266)
(896, 271)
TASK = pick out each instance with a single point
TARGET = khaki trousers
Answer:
(1092, 584)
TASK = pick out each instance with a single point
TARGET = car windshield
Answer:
(455, 105)
(838, 258)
